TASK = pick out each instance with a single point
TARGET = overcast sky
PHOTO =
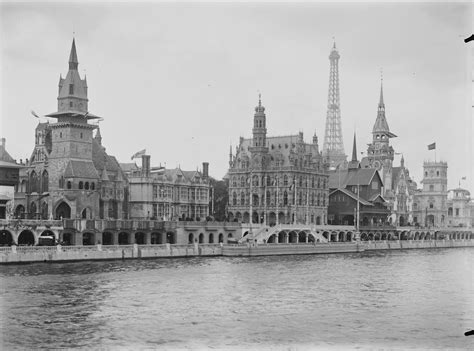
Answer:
(182, 80)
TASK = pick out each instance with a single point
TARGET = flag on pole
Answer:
(432, 146)
(139, 153)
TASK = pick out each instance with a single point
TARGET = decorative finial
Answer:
(334, 42)
(259, 99)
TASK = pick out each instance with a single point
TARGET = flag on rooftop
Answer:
(139, 153)
(432, 146)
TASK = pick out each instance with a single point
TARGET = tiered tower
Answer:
(380, 153)
(333, 148)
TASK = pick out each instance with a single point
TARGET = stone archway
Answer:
(139, 238)
(63, 210)
(6, 238)
(123, 238)
(88, 239)
(26, 237)
(107, 238)
(171, 238)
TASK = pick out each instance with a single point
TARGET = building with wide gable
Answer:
(356, 191)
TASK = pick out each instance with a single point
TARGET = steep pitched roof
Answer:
(360, 176)
(4, 155)
(101, 159)
(352, 195)
(81, 169)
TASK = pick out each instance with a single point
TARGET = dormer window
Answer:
(71, 89)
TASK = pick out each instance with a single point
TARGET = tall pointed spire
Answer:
(381, 104)
(333, 147)
(354, 149)
(73, 62)
(354, 164)
(381, 125)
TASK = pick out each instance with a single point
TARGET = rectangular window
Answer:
(155, 191)
(457, 212)
(155, 211)
(71, 89)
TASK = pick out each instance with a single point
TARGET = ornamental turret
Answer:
(259, 130)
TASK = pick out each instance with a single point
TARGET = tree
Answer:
(221, 198)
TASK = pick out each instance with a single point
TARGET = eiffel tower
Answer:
(333, 148)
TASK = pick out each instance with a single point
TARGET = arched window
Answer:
(301, 182)
(234, 199)
(92, 186)
(268, 198)
(242, 198)
(81, 185)
(69, 185)
(319, 200)
(33, 182)
(450, 211)
(255, 180)
(242, 181)
(312, 182)
(234, 181)
(86, 186)
(285, 198)
(285, 180)
(312, 201)
(269, 181)
(45, 181)
(255, 200)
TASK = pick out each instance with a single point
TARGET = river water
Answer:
(386, 299)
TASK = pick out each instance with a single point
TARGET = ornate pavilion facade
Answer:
(278, 179)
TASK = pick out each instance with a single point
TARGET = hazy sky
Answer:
(182, 80)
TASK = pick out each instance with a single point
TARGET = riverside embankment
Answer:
(27, 254)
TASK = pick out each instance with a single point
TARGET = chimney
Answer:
(205, 169)
(145, 165)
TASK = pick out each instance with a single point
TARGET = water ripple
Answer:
(400, 299)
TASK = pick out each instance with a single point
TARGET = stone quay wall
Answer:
(416, 244)
(27, 254)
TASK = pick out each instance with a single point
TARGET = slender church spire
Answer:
(73, 62)
(354, 162)
(333, 147)
(354, 149)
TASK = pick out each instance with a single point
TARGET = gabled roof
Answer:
(5, 156)
(360, 176)
(101, 159)
(352, 195)
(375, 197)
(80, 169)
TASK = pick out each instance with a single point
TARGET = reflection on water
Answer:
(417, 298)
